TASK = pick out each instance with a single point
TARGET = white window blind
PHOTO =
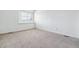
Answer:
(25, 17)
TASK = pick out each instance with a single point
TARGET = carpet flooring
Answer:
(37, 39)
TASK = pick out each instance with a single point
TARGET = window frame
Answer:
(20, 21)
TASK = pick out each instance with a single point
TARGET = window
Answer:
(25, 17)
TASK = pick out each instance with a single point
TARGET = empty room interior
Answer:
(39, 28)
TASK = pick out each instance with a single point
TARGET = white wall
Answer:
(58, 21)
(9, 22)
(77, 25)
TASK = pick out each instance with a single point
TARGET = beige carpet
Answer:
(37, 39)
